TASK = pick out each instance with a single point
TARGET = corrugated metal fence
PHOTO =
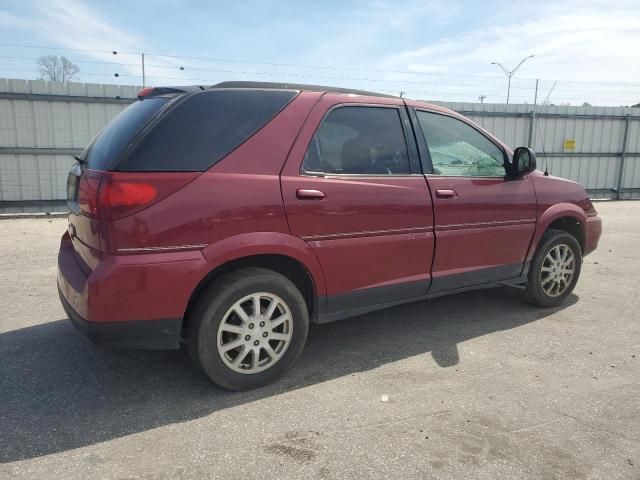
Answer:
(43, 123)
(598, 147)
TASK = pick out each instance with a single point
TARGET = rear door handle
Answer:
(446, 194)
(309, 194)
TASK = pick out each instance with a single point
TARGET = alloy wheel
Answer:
(255, 332)
(558, 270)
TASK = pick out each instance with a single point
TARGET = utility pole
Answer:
(533, 120)
(481, 98)
(510, 73)
(143, 77)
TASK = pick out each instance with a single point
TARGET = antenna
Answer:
(546, 159)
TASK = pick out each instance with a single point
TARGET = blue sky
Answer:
(431, 49)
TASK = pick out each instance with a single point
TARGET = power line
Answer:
(98, 62)
(593, 95)
(296, 65)
(54, 48)
(375, 80)
(208, 81)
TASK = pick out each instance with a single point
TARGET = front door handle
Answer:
(446, 194)
(309, 194)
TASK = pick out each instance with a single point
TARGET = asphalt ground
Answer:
(476, 385)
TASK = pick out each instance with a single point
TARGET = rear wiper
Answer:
(81, 161)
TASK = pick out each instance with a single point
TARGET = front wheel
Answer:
(555, 269)
(247, 328)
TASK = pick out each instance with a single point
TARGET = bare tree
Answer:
(57, 69)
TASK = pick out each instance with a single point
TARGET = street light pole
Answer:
(510, 73)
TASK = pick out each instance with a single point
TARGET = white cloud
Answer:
(576, 42)
(71, 24)
(573, 42)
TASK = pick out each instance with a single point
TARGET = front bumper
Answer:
(141, 334)
(593, 232)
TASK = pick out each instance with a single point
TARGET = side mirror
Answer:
(524, 161)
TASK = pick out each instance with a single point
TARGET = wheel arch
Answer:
(572, 226)
(282, 253)
(563, 216)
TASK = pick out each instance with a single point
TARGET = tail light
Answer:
(88, 187)
(113, 195)
(119, 198)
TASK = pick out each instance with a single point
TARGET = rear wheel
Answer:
(248, 328)
(555, 269)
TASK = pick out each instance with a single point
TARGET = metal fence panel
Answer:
(43, 123)
(631, 178)
(43, 126)
(597, 135)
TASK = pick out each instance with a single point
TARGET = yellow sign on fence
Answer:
(569, 144)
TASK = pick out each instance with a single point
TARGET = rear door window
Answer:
(204, 128)
(359, 140)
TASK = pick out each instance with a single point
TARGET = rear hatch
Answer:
(153, 148)
(95, 194)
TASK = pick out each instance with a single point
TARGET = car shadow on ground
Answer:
(59, 392)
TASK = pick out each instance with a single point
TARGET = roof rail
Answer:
(296, 86)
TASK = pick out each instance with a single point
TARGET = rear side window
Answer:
(111, 142)
(359, 140)
(204, 128)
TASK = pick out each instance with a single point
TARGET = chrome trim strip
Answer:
(365, 233)
(496, 223)
(360, 175)
(160, 249)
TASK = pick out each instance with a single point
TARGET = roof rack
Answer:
(297, 86)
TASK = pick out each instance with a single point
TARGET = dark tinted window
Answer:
(361, 140)
(204, 128)
(459, 150)
(112, 141)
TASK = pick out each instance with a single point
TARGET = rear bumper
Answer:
(141, 334)
(135, 301)
(593, 232)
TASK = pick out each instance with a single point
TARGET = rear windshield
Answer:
(203, 128)
(112, 141)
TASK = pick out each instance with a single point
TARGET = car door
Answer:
(483, 222)
(353, 190)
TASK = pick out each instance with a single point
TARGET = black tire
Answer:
(210, 308)
(534, 291)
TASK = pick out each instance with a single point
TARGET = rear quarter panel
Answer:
(239, 194)
(232, 210)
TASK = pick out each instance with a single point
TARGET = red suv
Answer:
(230, 217)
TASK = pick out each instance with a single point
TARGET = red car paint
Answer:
(430, 232)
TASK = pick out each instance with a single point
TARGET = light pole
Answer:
(510, 74)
